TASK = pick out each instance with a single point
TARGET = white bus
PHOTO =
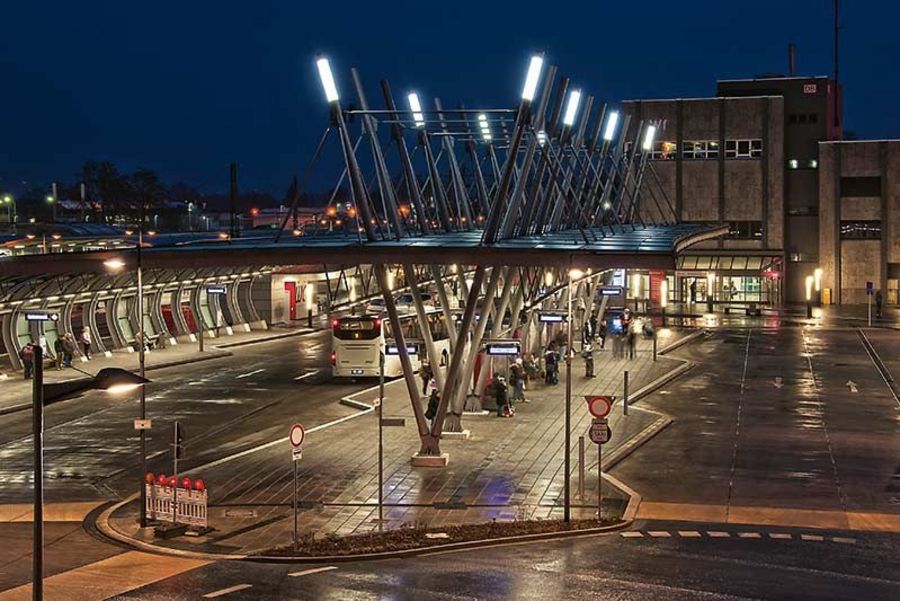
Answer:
(356, 343)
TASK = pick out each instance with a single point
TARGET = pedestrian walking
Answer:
(517, 381)
(694, 290)
(27, 357)
(503, 407)
(879, 302)
(68, 347)
(58, 353)
(631, 340)
(588, 355)
(425, 374)
(432, 409)
(85, 340)
(602, 334)
(593, 324)
(551, 365)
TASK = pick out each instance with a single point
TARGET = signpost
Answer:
(599, 406)
(296, 436)
(503, 348)
(611, 291)
(41, 316)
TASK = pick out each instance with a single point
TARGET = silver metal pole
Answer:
(380, 442)
(625, 394)
(175, 473)
(37, 561)
(143, 433)
(296, 530)
(599, 482)
(568, 434)
(581, 467)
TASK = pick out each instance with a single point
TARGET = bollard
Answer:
(625, 395)
(309, 318)
(581, 466)
(654, 348)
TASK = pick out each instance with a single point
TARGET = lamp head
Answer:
(532, 78)
(327, 79)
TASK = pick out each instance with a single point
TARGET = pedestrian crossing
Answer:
(736, 535)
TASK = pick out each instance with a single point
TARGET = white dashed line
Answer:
(312, 571)
(659, 533)
(780, 536)
(249, 373)
(812, 537)
(225, 591)
(688, 534)
(749, 535)
(306, 375)
(718, 534)
(632, 534)
(843, 539)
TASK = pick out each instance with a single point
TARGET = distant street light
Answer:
(532, 78)
(485, 128)
(327, 78)
(416, 108)
(810, 280)
(572, 108)
(649, 134)
(111, 379)
(612, 121)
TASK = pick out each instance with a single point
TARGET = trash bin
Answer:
(826, 296)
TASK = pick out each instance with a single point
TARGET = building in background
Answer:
(859, 219)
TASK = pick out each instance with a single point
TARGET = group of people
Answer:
(64, 349)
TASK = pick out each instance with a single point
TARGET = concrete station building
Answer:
(766, 156)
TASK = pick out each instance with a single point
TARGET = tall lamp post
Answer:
(574, 274)
(10, 203)
(116, 265)
(809, 288)
(111, 379)
(663, 298)
(817, 280)
(710, 291)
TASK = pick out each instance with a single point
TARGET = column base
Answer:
(419, 460)
(464, 435)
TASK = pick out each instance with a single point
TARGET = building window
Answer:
(860, 186)
(700, 149)
(745, 230)
(663, 151)
(860, 230)
(743, 149)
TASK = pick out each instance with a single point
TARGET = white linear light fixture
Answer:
(572, 108)
(485, 128)
(532, 78)
(649, 134)
(331, 93)
(609, 132)
(416, 107)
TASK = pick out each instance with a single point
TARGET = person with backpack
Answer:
(68, 346)
(27, 357)
(517, 381)
(425, 374)
(503, 407)
(432, 409)
(551, 365)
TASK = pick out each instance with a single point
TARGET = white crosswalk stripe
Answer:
(749, 535)
(780, 535)
(718, 534)
(688, 534)
(659, 533)
(632, 534)
(844, 539)
(812, 537)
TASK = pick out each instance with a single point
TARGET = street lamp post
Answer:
(573, 275)
(117, 264)
(710, 291)
(663, 298)
(110, 379)
(817, 279)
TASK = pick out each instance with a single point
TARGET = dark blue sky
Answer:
(186, 87)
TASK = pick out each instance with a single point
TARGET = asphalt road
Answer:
(225, 405)
(609, 567)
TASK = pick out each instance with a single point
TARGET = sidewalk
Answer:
(510, 469)
(15, 391)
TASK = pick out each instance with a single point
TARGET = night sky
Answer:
(186, 87)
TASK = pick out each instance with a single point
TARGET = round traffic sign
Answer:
(600, 406)
(297, 434)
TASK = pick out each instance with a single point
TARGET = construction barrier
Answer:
(191, 507)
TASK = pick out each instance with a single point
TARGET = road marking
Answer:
(249, 373)
(780, 536)
(312, 571)
(306, 375)
(632, 534)
(749, 535)
(813, 537)
(659, 533)
(688, 534)
(225, 591)
(718, 534)
(844, 539)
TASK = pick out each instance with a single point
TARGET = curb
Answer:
(680, 342)
(301, 332)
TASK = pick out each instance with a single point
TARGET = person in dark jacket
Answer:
(432, 409)
(425, 374)
(27, 357)
(500, 395)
